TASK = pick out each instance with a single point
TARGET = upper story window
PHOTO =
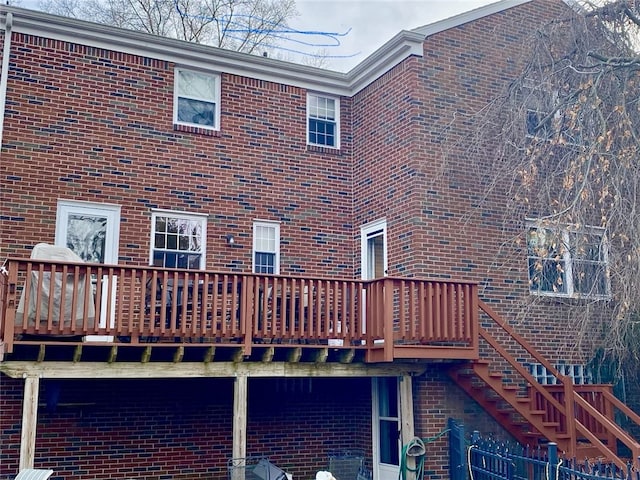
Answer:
(197, 99)
(178, 240)
(323, 122)
(568, 262)
(266, 247)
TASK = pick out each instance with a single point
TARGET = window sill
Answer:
(566, 296)
(197, 130)
(320, 149)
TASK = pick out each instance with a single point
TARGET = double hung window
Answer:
(323, 125)
(266, 247)
(178, 239)
(197, 99)
(568, 262)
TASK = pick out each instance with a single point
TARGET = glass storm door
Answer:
(91, 230)
(386, 428)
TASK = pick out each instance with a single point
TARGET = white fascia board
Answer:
(216, 59)
(466, 17)
(393, 52)
(180, 52)
(400, 47)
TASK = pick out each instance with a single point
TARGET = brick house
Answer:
(265, 259)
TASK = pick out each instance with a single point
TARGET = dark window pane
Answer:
(322, 132)
(172, 242)
(265, 262)
(389, 442)
(196, 112)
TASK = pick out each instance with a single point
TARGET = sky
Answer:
(371, 23)
(362, 26)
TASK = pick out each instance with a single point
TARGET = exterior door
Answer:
(374, 250)
(373, 256)
(92, 231)
(386, 429)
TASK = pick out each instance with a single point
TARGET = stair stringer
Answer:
(532, 430)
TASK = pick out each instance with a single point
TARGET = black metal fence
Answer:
(485, 459)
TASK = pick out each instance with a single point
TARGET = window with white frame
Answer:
(266, 247)
(197, 99)
(543, 119)
(323, 122)
(178, 240)
(567, 262)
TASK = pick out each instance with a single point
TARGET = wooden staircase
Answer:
(578, 418)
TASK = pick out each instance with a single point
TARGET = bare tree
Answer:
(244, 25)
(564, 142)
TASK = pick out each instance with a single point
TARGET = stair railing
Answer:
(571, 398)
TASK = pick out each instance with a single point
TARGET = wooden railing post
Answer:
(246, 320)
(387, 308)
(569, 411)
(11, 306)
(474, 320)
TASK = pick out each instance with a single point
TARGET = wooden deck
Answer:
(61, 305)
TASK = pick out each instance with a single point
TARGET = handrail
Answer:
(615, 401)
(620, 434)
(520, 339)
(389, 317)
(571, 396)
(520, 369)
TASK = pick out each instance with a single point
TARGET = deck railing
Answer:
(43, 300)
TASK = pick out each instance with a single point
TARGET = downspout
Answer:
(4, 75)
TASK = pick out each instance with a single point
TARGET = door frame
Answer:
(367, 231)
(112, 213)
(384, 471)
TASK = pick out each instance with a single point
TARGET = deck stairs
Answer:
(580, 419)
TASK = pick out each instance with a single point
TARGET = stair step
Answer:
(551, 424)
(510, 387)
(482, 361)
(523, 400)
(537, 412)
(495, 375)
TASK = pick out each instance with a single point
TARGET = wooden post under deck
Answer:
(29, 421)
(239, 449)
(406, 420)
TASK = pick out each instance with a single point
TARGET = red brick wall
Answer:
(95, 125)
(178, 429)
(412, 165)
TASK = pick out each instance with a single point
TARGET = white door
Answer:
(92, 231)
(373, 257)
(373, 249)
(386, 428)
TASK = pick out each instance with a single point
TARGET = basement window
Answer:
(580, 374)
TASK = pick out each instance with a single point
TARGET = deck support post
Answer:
(29, 421)
(239, 449)
(406, 420)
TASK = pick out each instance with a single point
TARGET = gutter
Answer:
(4, 75)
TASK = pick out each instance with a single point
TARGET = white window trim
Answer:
(216, 100)
(276, 227)
(201, 217)
(568, 262)
(337, 111)
(377, 227)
